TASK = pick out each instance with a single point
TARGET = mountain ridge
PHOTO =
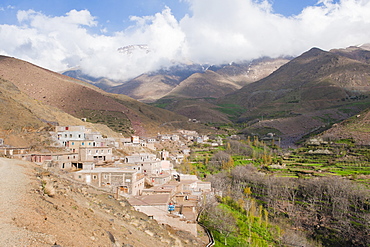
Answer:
(163, 81)
(46, 89)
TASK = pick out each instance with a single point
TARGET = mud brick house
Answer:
(57, 160)
(161, 178)
(67, 133)
(95, 154)
(157, 205)
(119, 180)
(140, 158)
(146, 167)
(75, 145)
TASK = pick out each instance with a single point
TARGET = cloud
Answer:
(214, 32)
(225, 31)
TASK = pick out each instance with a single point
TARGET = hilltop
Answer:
(36, 98)
(175, 80)
(310, 92)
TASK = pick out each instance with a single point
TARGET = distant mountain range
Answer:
(312, 91)
(152, 86)
(292, 98)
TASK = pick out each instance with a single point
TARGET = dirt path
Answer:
(76, 215)
(14, 187)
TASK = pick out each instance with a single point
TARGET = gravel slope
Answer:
(14, 187)
(75, 214)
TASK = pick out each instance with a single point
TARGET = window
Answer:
(70, 135)
(105, 176)
(128, 180)
(95, 177)
(73, 143)
(82, 143)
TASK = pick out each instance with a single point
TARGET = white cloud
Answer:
(216, 31)
(225, 31)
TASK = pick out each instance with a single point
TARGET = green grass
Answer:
(117, 121)
(162, 103)
(251, 229)
(232, 110)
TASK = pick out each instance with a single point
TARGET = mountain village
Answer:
(146, 176)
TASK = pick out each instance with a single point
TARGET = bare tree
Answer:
(218, 160)
(221, 220)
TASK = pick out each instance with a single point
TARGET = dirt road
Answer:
(76, 215)
(14, 188)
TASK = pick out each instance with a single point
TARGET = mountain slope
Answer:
(313, 90)
(314, 79)
(83, 100)
(356, 128)
(147, 88)
(152, 86)
(203, 85)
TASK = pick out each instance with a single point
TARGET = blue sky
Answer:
(61, 34)
(114, 14)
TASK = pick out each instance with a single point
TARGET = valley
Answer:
(273, 152)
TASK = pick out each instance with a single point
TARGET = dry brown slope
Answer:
(356, 128)
(202, 85)
(74, 214)
(309, 93)
(75, 97)
(25, 122)
(147, 88)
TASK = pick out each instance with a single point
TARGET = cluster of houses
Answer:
(147, 179)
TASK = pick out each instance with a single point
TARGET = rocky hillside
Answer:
(316, 79)
(356, 128)
(52, 210)
(61, 93)
(307, 94)
(25, 122)
(152, 86)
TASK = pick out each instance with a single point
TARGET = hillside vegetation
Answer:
(317, 195)
(305, 96)
(45, 89)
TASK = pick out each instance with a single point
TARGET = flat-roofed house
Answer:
(56, 160)
(67, 133)
(95, 154)
(140, 158)
(74, 145)
(123, 181)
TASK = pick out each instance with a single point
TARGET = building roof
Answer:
(107, 169)
(163, 175)
(150, 200)
(52, 154)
